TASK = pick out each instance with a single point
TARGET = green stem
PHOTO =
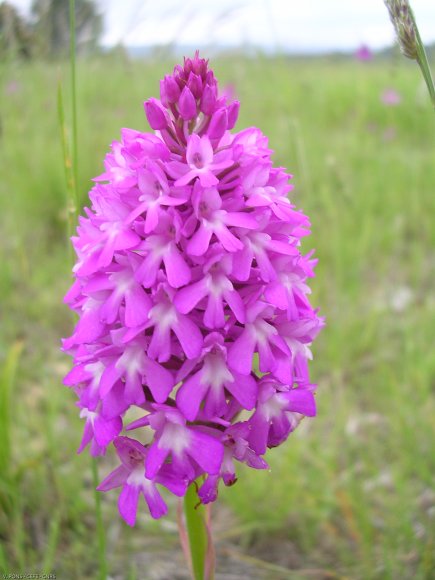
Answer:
(423, 61)
(101, 535)
(196, 531)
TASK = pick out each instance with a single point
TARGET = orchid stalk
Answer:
(199, 546)
(189, 267)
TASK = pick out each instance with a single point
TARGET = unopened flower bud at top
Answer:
(208, 99)
(171, 89)
(210, 78)
(187, 104)
(233, 114)
(156, 114)
(178, 72)
(218, 124)
(195, 85)
(196, 65)
(163, 97)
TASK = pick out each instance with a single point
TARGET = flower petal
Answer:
(155, 458)
(114, 479)
(177, 270)
(241, 352)
(127, 503)
(137, 306)
(199, 242)
(154, 500)
(244, 389)
(301, 401)
(190, 396)
(187, 298)
(159, 380)
(189, 335)
(207, 451)
(105, 430)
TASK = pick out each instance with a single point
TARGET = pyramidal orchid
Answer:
(189, 269)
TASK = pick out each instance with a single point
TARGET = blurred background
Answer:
(351, 494)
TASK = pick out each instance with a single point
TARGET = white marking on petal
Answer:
(176, 438)
(88, 415)
(215, 372)
(123, 281)
(137, 476)
(132, 360)
(297, 347)
(163, 315)
(263, 331)
(96, 369)
(291, 280)
(218, 284)
(273, 407)
(91, 304)
(111, 229)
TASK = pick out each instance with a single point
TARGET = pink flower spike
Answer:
(364, 53)
(193, 299)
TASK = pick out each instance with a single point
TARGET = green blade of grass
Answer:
(424, 63)
(101, 536)
(9, 491)
(4, 566)
(71, 198)
(72, 36)
(7, 382)
(52, 543)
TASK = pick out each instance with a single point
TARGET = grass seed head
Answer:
(403, 22)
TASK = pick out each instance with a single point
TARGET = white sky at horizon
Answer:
(273, 24)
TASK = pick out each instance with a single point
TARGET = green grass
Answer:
(350, 492)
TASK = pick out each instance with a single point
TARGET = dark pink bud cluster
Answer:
(192, 298)
(190, 95)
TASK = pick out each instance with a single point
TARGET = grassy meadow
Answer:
(351, 494)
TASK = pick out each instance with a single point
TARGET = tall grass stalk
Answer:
(101, 536)
(71, 199)
(9, 497)
(74, 194)
(7, 381)
(424, 63)
(72, 52)
(409, 39)
(52, 543)
(4, 566)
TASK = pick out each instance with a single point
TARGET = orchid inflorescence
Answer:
(191, 292)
